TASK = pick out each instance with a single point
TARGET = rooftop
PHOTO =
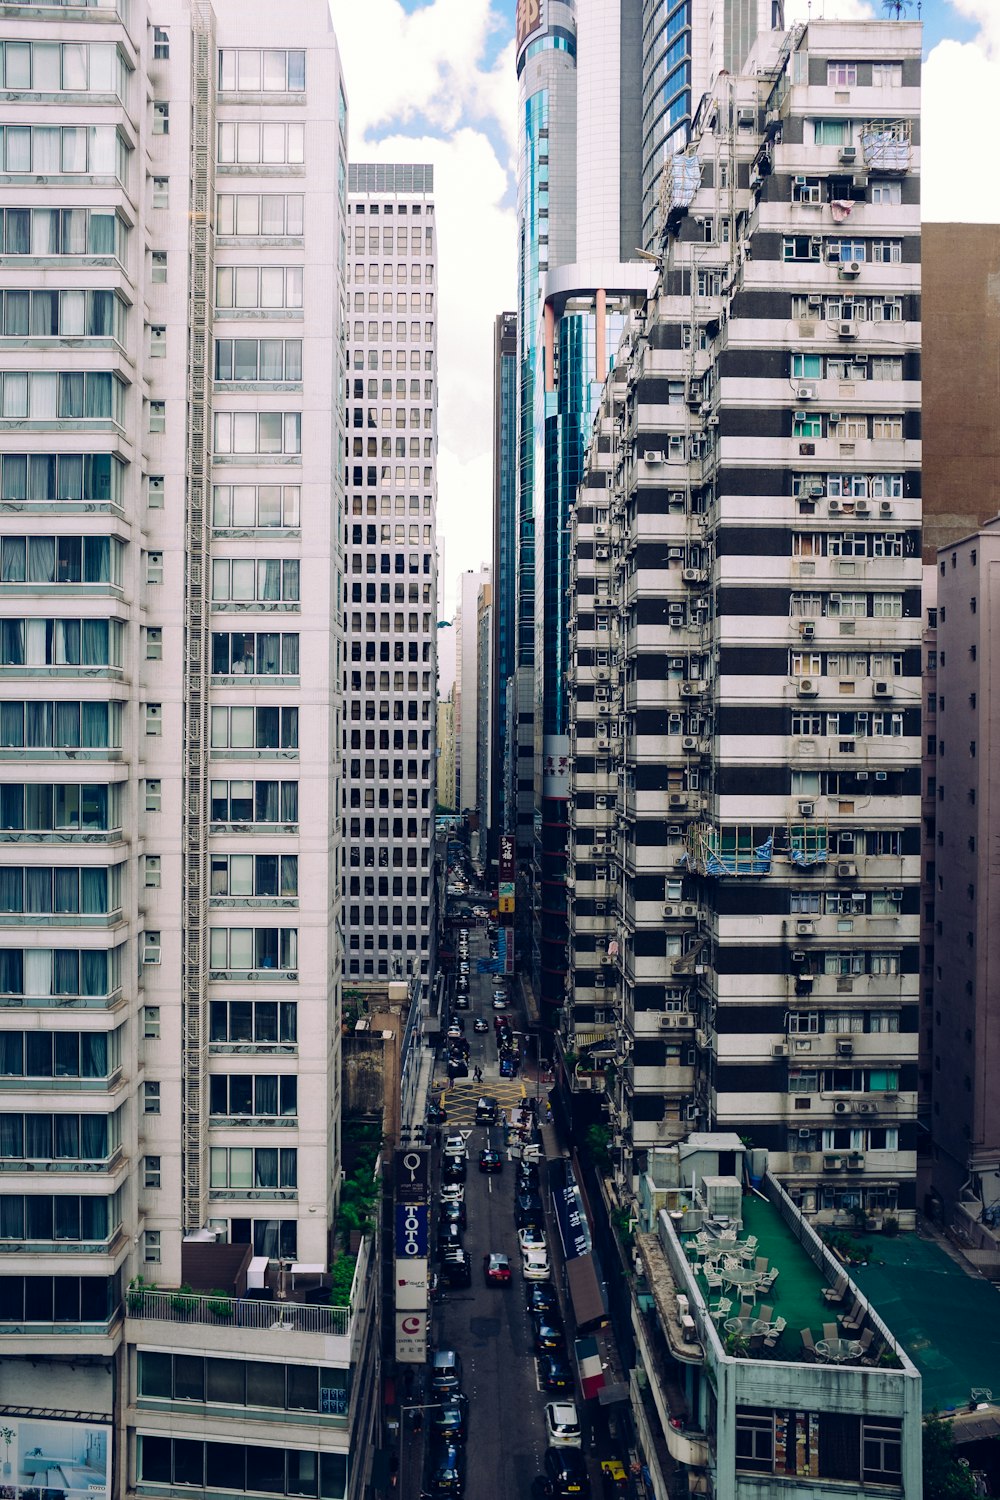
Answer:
(947, 1320)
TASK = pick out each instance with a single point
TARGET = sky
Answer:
(434, 81)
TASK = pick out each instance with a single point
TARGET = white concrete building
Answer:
(390, 677)
(467, 727)
(171, 447)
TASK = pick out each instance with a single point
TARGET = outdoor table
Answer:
(740, 1276)
(741, 1325)
(838, 1351)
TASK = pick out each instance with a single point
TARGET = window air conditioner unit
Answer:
(689, 910)
(600, 801)
(882, 689)
(806, 809)
(800, 416)
(831, 1163)
(804, 1132)
(885, 508)
(806, 393)
(803, 929)
(604, 708)
(670, 911)
(691, 689)
(807, 630)
(845, 1047)
(846, 329)
(667, 1023)
(850, 270)
(779, 1049)
(798, 957)
(693, 575)
(834, 507)
(806, 687)
(842, 1107)
(848, 154)
(713, 420)
(602, 674)
(861, 507)
(600, 531)
(678, 799)
(846, 869)
(895, 895)
(653, 456)
(603, 744)
(689, 742)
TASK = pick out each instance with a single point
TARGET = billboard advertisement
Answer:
(529, 19)
(411, 1285)
(411, 1231)
(411, 1338)
(39, 1457)
(411, 1174)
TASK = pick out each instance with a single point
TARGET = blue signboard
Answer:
(574, 1230)
(411, 1231)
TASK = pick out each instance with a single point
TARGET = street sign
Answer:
(411, 1337)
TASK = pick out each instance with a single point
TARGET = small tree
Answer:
(598, 1140)
(944, 1477)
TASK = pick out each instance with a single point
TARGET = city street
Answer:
(488, 1325)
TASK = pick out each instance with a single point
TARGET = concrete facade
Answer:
(390, 536)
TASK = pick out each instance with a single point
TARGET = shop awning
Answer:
(585, 1291)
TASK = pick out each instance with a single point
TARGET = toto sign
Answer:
(411, 1231)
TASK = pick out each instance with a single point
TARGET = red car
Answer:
(496, 1270)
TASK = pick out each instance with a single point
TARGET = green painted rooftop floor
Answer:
(947, 1321)
(797, 1293)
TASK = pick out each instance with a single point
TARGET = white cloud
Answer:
(956, 186)
(428, 66)
(828, 10)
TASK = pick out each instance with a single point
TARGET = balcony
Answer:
(239, 1325)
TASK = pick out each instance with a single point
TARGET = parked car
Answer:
(490, 1160)
(542, 1298)
(446, 1372)
(451, 1421)
(479, 1025)
(562, 1425)
(535, 1264)
(456, 1269)
(453, 1192)
(445, 1470)
(452, 1212)
(565, 1474)
(486, 1106)
(528, 1210)
(436, 1114)
(555, 1373)
(454, 1145)
(453, 1169)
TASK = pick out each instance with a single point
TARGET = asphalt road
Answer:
(489, 1325)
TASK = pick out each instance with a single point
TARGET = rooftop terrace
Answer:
(947, 1321)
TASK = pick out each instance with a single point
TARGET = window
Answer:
(151, 1247)
(254, 654)
(151, 1098)
(151, 947)
(250, 949)
(269, 72)
(258, 432)
(72, 395)
(242, 802)
(158, 266)
(251, 1171)
(68, 231)
(268, 143)
(271, 1095)
(157, 342)
(154, 718)
(255, 507)
(832, 132)
(151, 1172)
(263, 729)
(887, 75)
(151, 1022)
(157, 416)
(259, 875)
(887, 192)
(161, 118)
(258, 359)
(267, 1025)
(247, 580)
(161, 43)
(886, 252)
(881, 1451)
(153, 796)
(841, 75)
(154, 567)
(154, 643)
(887, 606)
(161, 192)
(61, 314)
(755, 1440)
(151, 871)
(252, 214)
(807, 190)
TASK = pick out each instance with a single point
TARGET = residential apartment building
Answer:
(731, 1406)
(390, 538)
(761, 435)
(605, 95)
(174, 216)
(961, 883)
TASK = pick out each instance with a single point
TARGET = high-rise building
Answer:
(174, 220)
(484, 711)
(746, 617)
(598, 109)
(503, 740)
(467, 685)
(390, 709)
